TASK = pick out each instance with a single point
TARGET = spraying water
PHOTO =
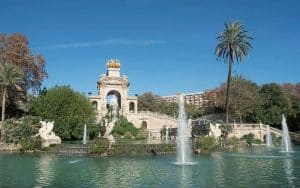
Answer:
(167, 135)
(149, 137)
(84, 135)
(269, 141)
(183, 145)
(285, 140)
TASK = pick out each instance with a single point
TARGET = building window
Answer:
(95, 105)
(131, 107)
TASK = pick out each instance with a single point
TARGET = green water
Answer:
(255, 167)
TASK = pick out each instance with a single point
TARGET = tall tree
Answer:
(14, 49)
(245, 99)
(275, 103)
(69, 110)
(10, 77)
(233, 45)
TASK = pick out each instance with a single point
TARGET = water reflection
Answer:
(186, 172)
(247, 168)
(288, 168)
(45, 171)
(124, 173)
(218, 169)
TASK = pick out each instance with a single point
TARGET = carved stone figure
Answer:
(47, 135)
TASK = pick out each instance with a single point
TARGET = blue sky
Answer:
(165, 46)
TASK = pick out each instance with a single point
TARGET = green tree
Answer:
(233, 45)
(245, 99)
(154, 103)
(10, 78)
(294, 118)
(292, 91)
(276, 103)
(150, 102)
(69, 109)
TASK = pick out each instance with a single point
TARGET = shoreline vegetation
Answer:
(100, 147)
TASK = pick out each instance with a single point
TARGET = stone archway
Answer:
(113, 83)
(110, 94)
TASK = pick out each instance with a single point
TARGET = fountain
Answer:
(149, 137)
(269, 141)
(183, 145)
(84, 135)
(167, 135)
(285, 140)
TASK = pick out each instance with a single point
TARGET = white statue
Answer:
(114, 103)
(47, 135)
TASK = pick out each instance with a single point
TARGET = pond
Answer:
(250, 167)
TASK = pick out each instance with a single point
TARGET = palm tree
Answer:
(10, 77)
(233, 45)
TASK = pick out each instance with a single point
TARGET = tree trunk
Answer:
(3, 104)
(228, 88)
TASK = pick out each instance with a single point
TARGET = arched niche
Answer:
(109, 96)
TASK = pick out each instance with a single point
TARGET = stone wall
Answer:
(154, 122)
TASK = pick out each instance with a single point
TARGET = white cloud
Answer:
(110, 42)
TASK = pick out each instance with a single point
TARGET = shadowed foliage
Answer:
(10, 78)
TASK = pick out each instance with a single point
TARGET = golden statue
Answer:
(113, 63)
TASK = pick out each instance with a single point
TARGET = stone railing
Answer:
(274, 130)
(156, 114)
(240, 129)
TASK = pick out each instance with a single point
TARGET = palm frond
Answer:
(233, 42)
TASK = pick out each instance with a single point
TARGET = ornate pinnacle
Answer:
(113, 63)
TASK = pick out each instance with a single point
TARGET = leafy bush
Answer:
(128, 134)
(95, 129)
(276, 139)
(257, 141)
(31, 143)
(248, 138)
(69, 110)
(233, 142)
(141, 134)
(24, 131)
(122, 126)
(206, 144)
(100, 146)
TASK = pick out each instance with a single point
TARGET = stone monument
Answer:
(47, 135)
